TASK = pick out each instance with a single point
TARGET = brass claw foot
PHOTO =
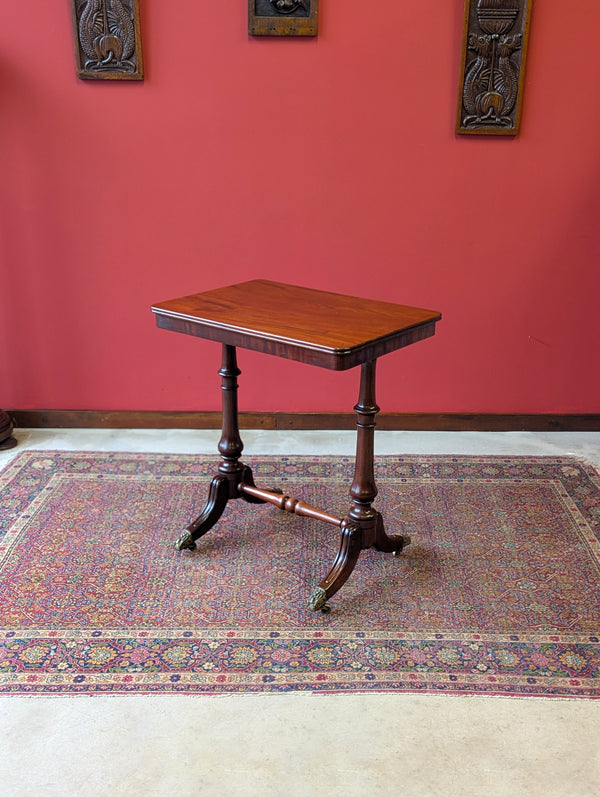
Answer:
(185, 541)
(317, 601)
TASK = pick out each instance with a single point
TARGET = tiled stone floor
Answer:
(410, 745)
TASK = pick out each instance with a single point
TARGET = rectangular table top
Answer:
(320, 328)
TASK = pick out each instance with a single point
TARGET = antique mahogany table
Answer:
(318, 328)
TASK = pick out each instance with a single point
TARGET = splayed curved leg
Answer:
(350, 548)
(218, 496)
(389, 543)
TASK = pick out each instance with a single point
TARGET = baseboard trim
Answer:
(439, 422)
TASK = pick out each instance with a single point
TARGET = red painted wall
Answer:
(330, 163)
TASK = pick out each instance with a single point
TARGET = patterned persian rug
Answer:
(499, 592)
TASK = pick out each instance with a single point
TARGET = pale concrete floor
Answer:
(297, 744)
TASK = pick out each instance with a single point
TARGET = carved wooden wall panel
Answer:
(283, 17)
(494, 50)
(108, 44)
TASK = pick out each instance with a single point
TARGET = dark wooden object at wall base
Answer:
(283, 17)
(6, 430)
(492, 72)
(108, 43)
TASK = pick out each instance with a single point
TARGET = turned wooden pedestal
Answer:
(328, 330)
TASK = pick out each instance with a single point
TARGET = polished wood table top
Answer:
(317, 327)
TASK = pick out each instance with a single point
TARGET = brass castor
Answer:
(406, 540)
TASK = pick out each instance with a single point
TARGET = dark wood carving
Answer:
(108, 44)
(6, 430)
(283, 17)
(494, 51)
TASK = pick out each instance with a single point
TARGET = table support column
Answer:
(363, 527)
(359, 528)
(230, 444)
(364, 489)
(231, 472)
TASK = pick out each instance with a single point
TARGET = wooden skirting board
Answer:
(439, 422)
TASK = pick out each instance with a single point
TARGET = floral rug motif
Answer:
(499, 592)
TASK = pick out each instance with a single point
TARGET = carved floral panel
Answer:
(493, 66)
(107, 39)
